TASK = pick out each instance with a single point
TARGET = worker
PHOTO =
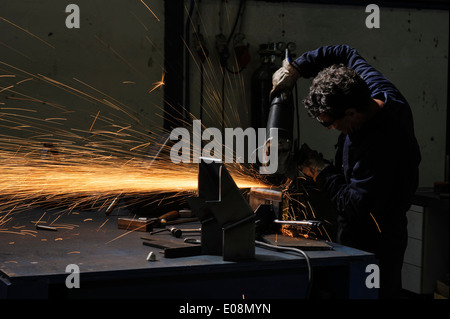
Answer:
(375, 170)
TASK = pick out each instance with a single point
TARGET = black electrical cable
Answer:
(202, 67)
(201, 91)
(187, 102)
(298, 117)
(236, 21)
(241, 5)
(223, 104)
(238, 15)
(301, 252)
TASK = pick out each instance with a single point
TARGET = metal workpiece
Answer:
(306, 222)
(266, 196)
(228, 225)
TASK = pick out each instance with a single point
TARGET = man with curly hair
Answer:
(375, 171)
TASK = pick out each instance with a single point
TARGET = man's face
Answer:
(348, 123)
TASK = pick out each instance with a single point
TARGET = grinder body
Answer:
(281, 117)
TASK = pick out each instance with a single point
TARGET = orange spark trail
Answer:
(158, 84)
(26, 31)
(150, 10)
(95, 119)
(90, 178)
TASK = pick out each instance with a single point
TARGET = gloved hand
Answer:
(310, 162)
(284, 78)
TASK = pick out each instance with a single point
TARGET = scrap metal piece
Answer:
(42, 227)
(151, 256)
(173, 248)
(192, 240)
(111, 206)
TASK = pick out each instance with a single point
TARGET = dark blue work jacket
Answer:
(376, 168)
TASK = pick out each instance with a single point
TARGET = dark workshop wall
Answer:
(109, 64)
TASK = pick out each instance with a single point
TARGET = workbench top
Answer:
(92, 241)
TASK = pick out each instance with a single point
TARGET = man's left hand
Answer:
(284, 78)
(311, 163)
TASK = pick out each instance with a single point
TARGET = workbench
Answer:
(113, 264)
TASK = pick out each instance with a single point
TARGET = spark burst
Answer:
(42, 161)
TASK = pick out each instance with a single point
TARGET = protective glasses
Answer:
(328, 123)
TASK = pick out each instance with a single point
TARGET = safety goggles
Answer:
(330, 122)
(325, 123)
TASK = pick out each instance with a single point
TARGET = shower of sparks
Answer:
(70, 168)
(72, 171)
(69, 183)
(25, 179)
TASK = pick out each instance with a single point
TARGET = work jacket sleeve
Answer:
(311, 63)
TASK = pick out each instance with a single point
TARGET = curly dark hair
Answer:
(336, 89)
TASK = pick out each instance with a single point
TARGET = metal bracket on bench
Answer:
(228, 222)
